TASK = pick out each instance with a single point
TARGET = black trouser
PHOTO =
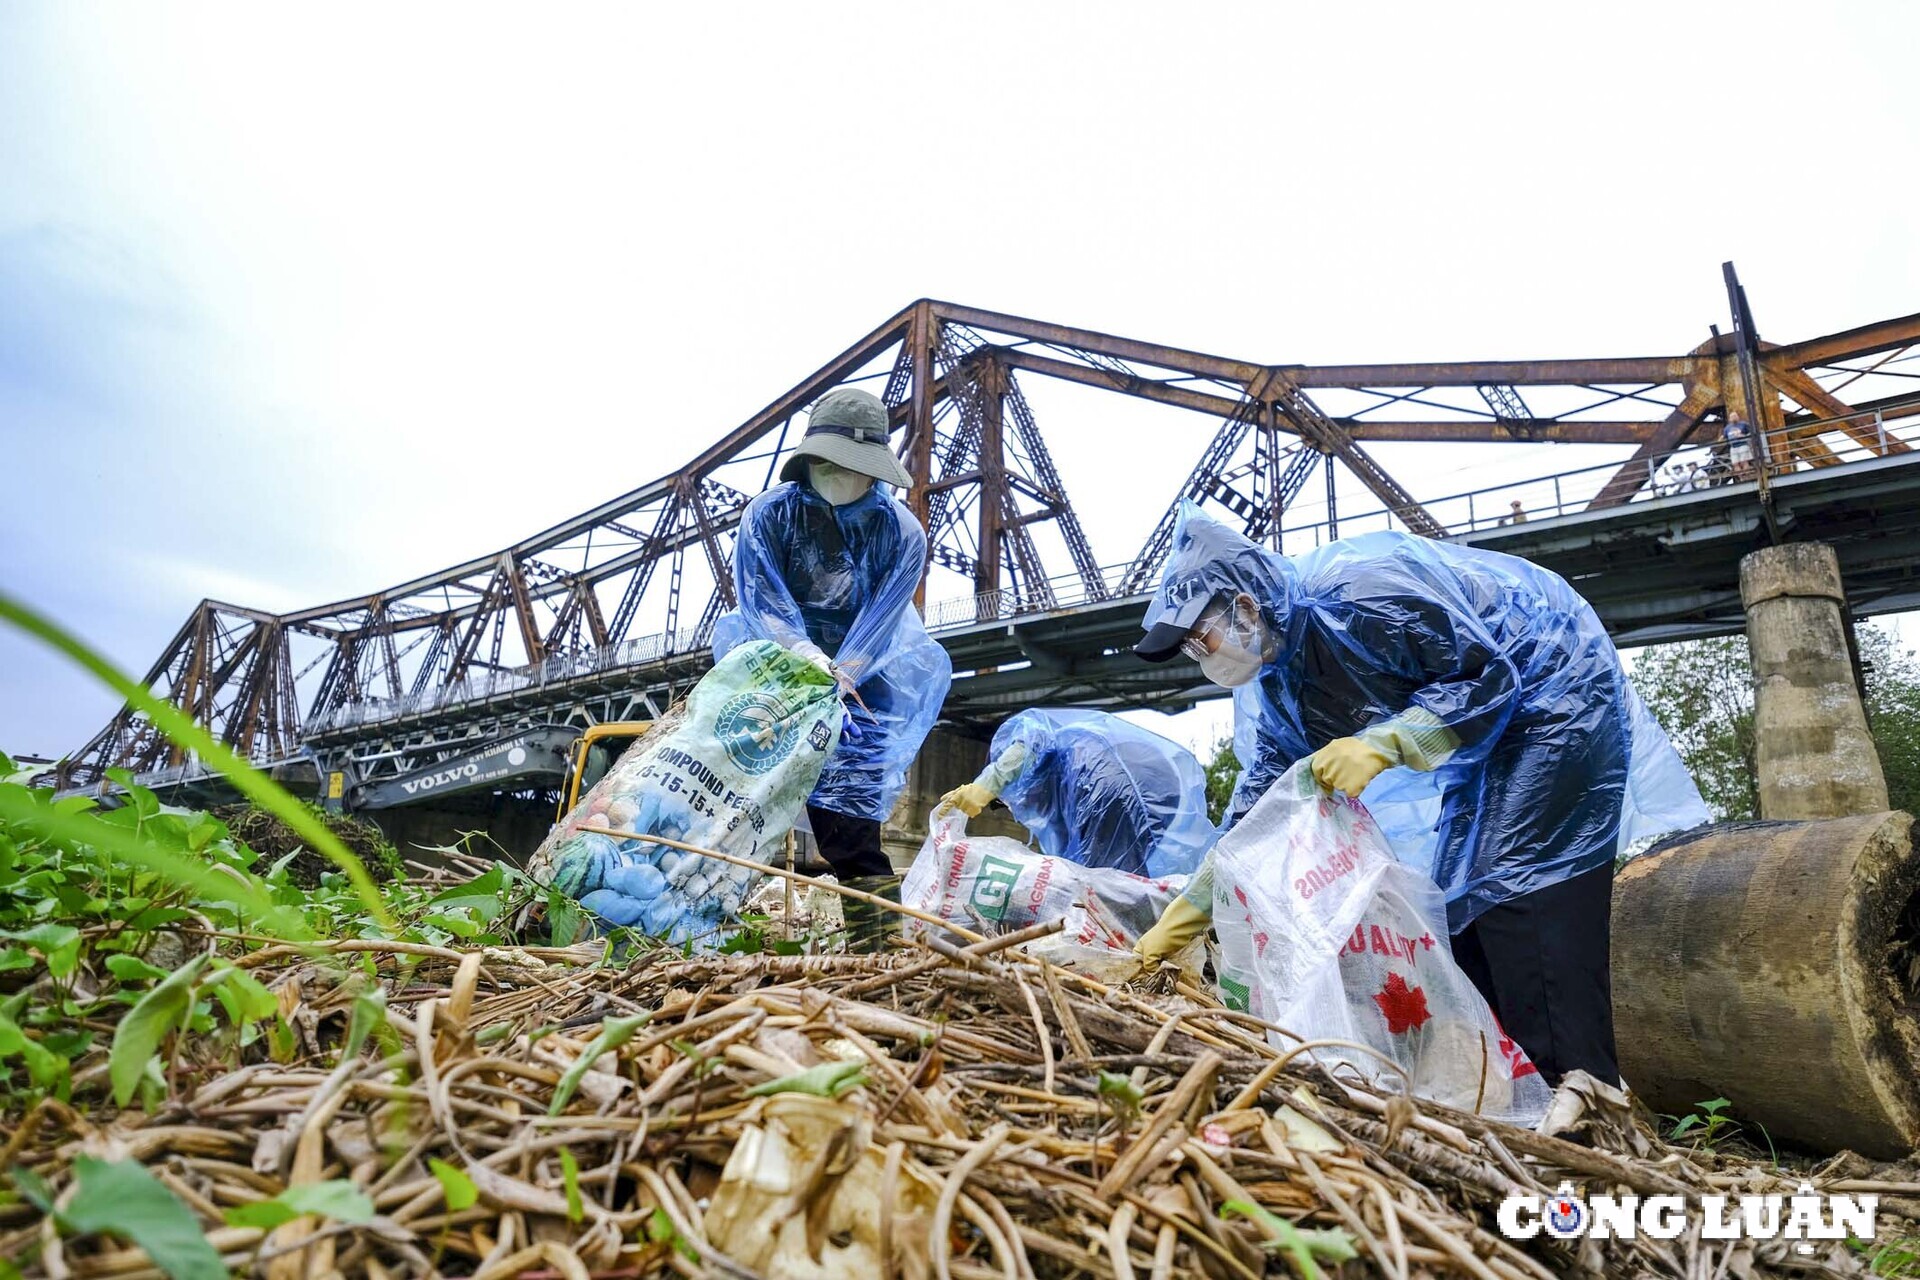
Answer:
(851, 846)
(1542, 962)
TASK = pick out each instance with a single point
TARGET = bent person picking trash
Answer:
(1096, 790)
(1477, 704)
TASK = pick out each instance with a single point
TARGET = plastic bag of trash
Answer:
(993, 884)
(807, 1194)
(1322, 931)
(731, 775)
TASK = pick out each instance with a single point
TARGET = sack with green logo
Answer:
(992, 884)
(731, 773)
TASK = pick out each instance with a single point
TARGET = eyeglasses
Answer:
(1195, 643)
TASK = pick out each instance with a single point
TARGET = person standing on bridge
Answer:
(1737, 437)
(1476, 702)
(826, 564)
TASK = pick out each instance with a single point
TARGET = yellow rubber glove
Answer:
(969, 799)
(1180, 924)
(1348, 764)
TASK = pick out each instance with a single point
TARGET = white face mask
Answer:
(1242, 645)
(1230, 666)
(837, 485)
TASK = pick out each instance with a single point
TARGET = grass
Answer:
(127, 919)
(1897, 1259)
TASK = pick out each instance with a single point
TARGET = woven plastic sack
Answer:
(994, 884)
(731, 774)
(1322, 931)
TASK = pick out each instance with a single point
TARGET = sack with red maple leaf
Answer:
(1324, 932)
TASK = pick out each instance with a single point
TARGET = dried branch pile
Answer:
(961, 1114)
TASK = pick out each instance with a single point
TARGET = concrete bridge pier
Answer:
(1815, 756)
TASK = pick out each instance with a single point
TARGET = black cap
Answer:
(1187, 601)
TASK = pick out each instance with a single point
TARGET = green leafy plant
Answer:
(97, 920)
(120, 1198)
(337, 1199)
(1897, 1259)
(660, 1230)
(454, 1184)
(614, 1032)
(1122, 1096)
(139, 1034)
(1707, 1125)
(184, 732)
(1299, 1245)
(1223, 774)
(45, 1069)
(570, 1178)
(460, 1194)
(828, 1080)
(754, 940)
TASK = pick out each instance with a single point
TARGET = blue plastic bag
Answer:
(842, 579)
(1097, 790)
(1551, 772)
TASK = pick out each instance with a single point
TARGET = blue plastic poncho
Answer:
(1096, 790)
(842, 579)
(1549, 770)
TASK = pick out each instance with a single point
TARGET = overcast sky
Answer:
(296, 304)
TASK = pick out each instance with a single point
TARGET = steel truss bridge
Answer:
(609, 615)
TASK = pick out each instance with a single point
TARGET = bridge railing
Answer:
(558, 669)
(1693, 469)
(1063, 592)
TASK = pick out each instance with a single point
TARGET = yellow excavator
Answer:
(592, 754)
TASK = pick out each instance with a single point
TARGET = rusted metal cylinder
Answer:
(1773, 964)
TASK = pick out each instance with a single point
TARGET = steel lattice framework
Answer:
(619, 603)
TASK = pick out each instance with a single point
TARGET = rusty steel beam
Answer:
(1637, 470)
(1176, 358)
(1810, 395)
(1540, 431)
(1066, 519)
(1219, 406)
(468, 648)
(922, 341)
(1206, 402)
(1890, 409)
(709, 538)
(1313, 426)
(1653, 370)
(1868, 339)
(996, 503)
(516, 579)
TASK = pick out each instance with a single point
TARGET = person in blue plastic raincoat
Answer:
(1096, 790)
(1449, 674)
(826, 564)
